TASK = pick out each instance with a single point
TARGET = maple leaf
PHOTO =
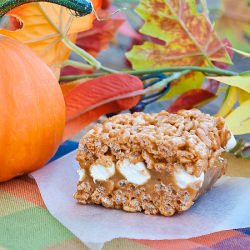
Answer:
(188, 35)
(234, 23)
(44, 25)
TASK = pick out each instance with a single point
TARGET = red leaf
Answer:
(98, 38)
(190, 99)
(88, 101)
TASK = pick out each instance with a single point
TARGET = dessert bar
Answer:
(153, 163)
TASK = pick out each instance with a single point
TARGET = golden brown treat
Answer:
(152, 163)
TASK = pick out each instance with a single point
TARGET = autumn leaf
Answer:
(238, 91)
(229, 101)
(188, 39)
(239, 120)
(188, 35)
(88, 101)
(243, 96)
(190, 99)
(192, 80)
(44, 25)
(234, 23)
(240, 81)
(195, 80)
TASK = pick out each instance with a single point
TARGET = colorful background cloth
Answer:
(26, 224)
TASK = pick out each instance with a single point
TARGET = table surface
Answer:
(25, 223)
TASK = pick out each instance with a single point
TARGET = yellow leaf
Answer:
(242, 82)
(228, 103)
(192, 80)
(239, 120)
(44, 25)
(243, 96)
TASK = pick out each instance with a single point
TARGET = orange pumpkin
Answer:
(32, 110)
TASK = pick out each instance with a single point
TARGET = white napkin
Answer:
(226, 206)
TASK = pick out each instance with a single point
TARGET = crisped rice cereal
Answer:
(153, 163)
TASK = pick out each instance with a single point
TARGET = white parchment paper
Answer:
(226, 206)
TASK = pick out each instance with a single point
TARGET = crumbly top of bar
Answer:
(165, 141)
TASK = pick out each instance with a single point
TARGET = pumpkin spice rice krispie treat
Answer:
(152, 163)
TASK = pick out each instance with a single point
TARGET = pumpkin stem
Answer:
(79, 7)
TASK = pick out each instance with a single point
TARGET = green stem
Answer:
(215, 71)
(78, 64)
(86, 56)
